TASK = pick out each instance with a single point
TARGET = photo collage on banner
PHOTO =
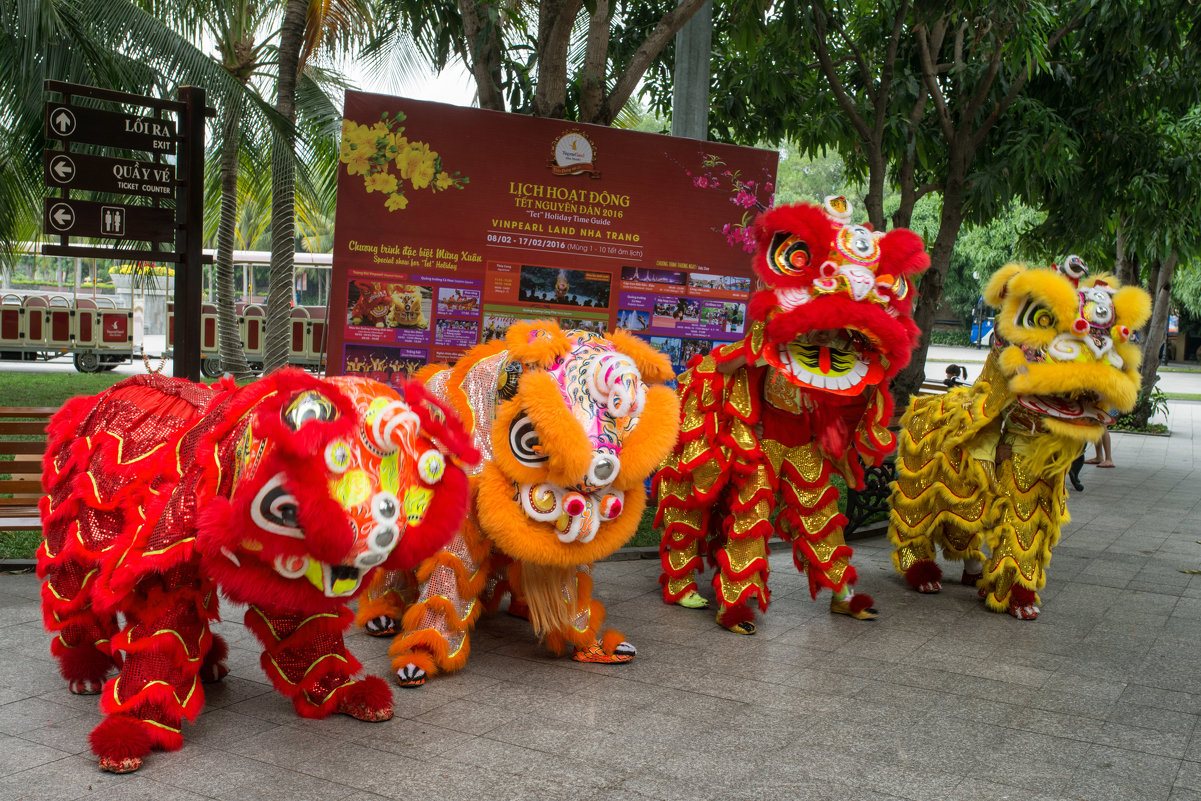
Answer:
(453, 223)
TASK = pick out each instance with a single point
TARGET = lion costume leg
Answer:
(83, 638)
(563, 612)
(307, 661)
(434, 634)
(742, 567)
(811, 521)
(167, 643)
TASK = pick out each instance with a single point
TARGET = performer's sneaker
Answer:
(970, 579)
(857, 606)
(596, 655)
(88, 687)
(123, 765)
(693, 600)
(410, 676)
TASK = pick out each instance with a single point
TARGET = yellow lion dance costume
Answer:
(570, 424)
(984, 465)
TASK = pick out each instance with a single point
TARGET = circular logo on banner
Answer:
(574, 154)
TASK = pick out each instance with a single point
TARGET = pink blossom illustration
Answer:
(749, 195)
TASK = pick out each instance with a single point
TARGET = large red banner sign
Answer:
(452, 223)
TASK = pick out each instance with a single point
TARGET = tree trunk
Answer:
(482, 38)
(909, 380)
(283, 192)
(1153, 337)
(233, 358)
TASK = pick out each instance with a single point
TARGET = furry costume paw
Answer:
(410, 676)
(368, 699)
(924, 576)
(1022, 603)
(120, 741)
(382, 626)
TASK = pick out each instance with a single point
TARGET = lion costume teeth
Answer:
(561, 419)
(982, 467)
(766, 420)
(283, 494)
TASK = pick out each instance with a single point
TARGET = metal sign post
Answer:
(151, 225)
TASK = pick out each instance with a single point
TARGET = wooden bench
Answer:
(864, 504)
(22, 437)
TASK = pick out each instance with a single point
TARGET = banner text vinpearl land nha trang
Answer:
(452, 223)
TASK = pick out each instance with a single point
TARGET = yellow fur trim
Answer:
(994, 293)
(654, 365)
(550, 594)
(650, 441)
(502, 519)
(1132, 306)
(539, 342)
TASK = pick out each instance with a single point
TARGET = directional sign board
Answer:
(101, 174)
(96, 127)
(67, 217)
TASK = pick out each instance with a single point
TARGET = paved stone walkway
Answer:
(938, 699)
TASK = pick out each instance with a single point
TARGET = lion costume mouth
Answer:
(839, 361)
(1082, 410)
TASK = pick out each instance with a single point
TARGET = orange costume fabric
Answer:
(283, 495)
(570, 424)
(766, 421)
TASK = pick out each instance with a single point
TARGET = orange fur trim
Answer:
(506, 524)
(563, 437)
(611, 639)
(654, 365)
(427, 650)
(651, 440)
(538, 342)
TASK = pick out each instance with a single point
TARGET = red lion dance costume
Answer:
(283, 494)
(767, 419)
(570, 425)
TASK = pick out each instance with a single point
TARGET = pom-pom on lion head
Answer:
(839, 296)
(580, 421)
(1062, 341)
(332, 479)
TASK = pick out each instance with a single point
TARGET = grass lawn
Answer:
(51, 389)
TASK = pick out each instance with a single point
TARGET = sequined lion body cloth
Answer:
(767, 420)
(981, 468)
(283, 495)
(570, 424)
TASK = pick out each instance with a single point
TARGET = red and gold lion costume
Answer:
(283, 494)
(768, 419)
(984, 466)
(570, 424)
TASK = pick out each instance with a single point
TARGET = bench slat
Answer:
(21, 466)
(10, 428)
(45, 412)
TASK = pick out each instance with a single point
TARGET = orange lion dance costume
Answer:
(570, 425)
(768, 419)
(983, 466)
(283, 494)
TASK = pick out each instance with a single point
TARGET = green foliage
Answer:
(958, 337)
(19, 544)
(1153, 404)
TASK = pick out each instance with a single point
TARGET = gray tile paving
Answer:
(938, 699)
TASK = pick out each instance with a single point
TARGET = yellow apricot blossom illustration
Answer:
(372, 151)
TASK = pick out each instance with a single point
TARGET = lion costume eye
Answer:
(1034, 315)
(789, 254)
(524, 442)
(307, 407)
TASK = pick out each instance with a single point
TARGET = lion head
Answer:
(372, 306)
(330, 480)
(580, 421)
(1062, 342)
(837, 308)
(405, 308)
